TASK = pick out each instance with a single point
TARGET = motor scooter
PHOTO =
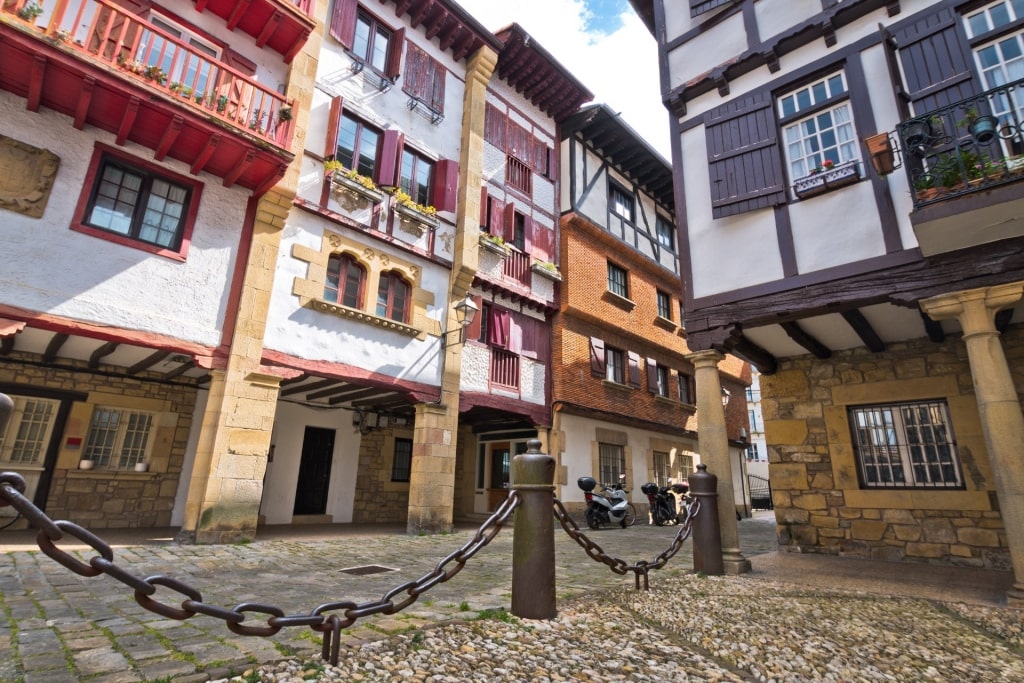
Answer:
(608, 507)
(669, 504)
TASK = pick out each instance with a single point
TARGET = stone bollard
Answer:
(707, 536)
(533, 542)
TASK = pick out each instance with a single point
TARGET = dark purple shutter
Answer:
(386, 172)
(634, 369)
(498, 327)
(494, 126)
(744, 161)
(698, 7)
(936, 64)
(343, 21)
(597, 363)
(395, 54)
(238, 62)
(333, 124)
(652, 375)
(445, 185)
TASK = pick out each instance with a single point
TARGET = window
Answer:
(684, 461)
(686, 389)
(824, 130)
(664, 305)
(752, 416)
(393, 297)
(908, 445)
(665, 233)
(118, 439)
(179, 65)
(28, 431)
(611, 462)
(519, 231)
(662, 469)
(615, 365)
(358, 146)
(752, 452)
(401, 460)
(1001, 61)
(618, 280)
(424, 78)
(417, 172)
(371, 42)
(621, 202)
(345, 278)
(518, 175)
(660, 376)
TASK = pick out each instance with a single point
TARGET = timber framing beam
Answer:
(864, 330)
(806, 340)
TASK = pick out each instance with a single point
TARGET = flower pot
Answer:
(983, 129)
(86, 464)
(916, 132)
(142, 467)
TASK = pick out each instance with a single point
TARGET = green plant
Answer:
(496, 239)
(333, 166)
(405, 200)
(200, 96)
(970, 116)
(30, 11)
(174, 87)
(496, 614)
(284, 113)
(154, 73)
(547, 265)
(256, 121)
(354, 176)
(463, 606)
(826, 165)
(222, 103)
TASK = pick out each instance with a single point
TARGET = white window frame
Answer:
(114, 453)
(25, 440)
(805, 149)
(611, 461)
(990, 58)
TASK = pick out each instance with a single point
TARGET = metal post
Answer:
(707, 535)
(533, 540)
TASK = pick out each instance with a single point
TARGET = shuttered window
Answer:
(936, 65)
(1001, 61)
(698, 7)
(368, 39)
(516, 141)
(424, 78)
(826, 134)
(744, 162)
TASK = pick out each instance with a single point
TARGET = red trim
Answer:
(196, 190)
(538, 413)
(238, 274)
(414, 391)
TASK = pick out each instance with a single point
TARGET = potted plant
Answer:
(86, 464)
(284, 114)
(30, 12)
(422, 216)
(353, 183)
(142, 467)
(982, 127)
(493, 243)
(546, 269)
(924, 187)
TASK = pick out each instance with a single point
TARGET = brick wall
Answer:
(819, 503)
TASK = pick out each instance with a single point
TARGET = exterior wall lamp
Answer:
(726, 395)
(465, 314)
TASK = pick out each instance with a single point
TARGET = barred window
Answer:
(684, 464)
(28, 431)
(611, 462)
(907, 445)
(401, 463)
(118, 439)
(662, 469)
(618, 280)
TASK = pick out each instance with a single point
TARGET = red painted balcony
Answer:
(282, 25)
(98, 64)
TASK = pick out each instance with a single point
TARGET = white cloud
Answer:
(620, 68)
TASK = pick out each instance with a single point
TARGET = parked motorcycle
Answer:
(664, 507)
(610, 506)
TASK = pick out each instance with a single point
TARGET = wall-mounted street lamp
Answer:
(726, 395)
(465, 314)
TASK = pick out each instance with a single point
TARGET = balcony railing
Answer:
(968, 146)
(517, 266)
(504, 368)
(103, 32)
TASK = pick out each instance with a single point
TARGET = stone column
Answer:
(998, 404)
(713, 444)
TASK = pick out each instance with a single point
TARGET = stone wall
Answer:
(820, 504)
(378, 500)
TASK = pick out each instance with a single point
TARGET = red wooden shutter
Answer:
(552, 170)
(494, 126)
(333, 124)
(497, 218)
(394, 69)
(473, 330)
(343, 21)
(445, 185)
(483, 205)
(386, 172)
(936, 64)
(238, 62)
(744, 161)
(652, 375)
(509, 222)
(437, 80)
(542, 237)
(634, 369)
(412, 75)
(597, 361)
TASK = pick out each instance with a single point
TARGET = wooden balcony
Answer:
(282, 25)
(102, 66)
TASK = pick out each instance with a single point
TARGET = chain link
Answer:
(322, 619)
(619, 566)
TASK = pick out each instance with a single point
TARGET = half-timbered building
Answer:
(848, 186)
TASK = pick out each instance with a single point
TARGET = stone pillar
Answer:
(432, 478)
(998, 404)
(713, 444)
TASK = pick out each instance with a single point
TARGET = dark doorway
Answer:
(314, 471)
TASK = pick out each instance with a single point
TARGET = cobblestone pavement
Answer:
(58, 627)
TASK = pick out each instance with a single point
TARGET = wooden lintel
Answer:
(241, 167)
(53, 348)
(127, 120)
(148, 361)
(35, 82)
(301, 377)
(99, 354)
(421, 13)
(933, 328)
(269, 28)
(200, 163)
(435, 28)
(237, 15)
(296, 46)
(1003, 319)
(448, 39)
(169, 138)
(806, 340)
(739, 345)
(401, 7)
(864, 330)
(84, 100)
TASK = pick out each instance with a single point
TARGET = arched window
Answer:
(393, 297)
(345, 279)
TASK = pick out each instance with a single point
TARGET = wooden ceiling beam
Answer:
(148, 362)
(99, 354)
(806, 340)
(933, 328)
(864, 330)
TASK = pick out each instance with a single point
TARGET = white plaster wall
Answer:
(713, 47)
(595, 206)
(282, 475)
(48, 267)
(776, 16)
(836, 228)
(728, 253)
(314, 335)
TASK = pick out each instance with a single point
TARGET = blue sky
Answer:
(603, 44)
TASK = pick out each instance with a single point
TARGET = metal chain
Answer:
(619, 566)
(321, 619)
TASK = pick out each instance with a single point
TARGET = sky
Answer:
(603, 44)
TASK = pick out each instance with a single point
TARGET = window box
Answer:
(493, 244)
(547, 270)
(414, 220)
(355, 188)
(825, 181)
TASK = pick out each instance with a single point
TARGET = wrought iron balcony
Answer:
(969, 146)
